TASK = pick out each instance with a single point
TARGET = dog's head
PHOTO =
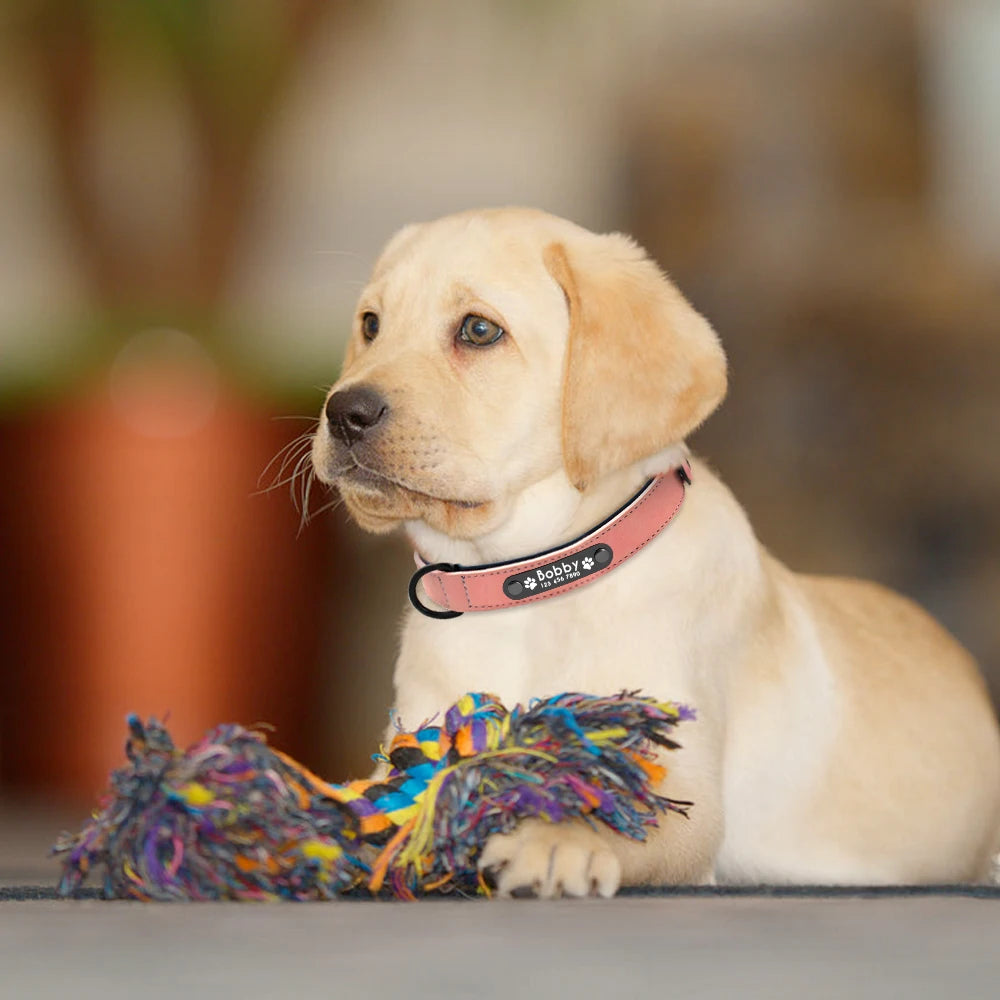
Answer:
(491, 350)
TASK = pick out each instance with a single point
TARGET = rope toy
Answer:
(232, 818)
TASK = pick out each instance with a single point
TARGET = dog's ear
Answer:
(643, 369)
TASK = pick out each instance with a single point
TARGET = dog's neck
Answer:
(546, 514)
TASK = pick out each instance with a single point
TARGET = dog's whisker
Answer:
(286, 455)
(295, 454)
(310, 482)
(306, 517)
(329, 505)
(298, 439)
(292, 481)
(281, 476)
(305, 482)
(278, 483)
(303, 468)
(281, 451)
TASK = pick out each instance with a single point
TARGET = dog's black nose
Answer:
(353, 412)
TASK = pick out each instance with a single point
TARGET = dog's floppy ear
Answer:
(643, 369)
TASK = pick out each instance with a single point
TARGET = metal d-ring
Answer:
(415, 600)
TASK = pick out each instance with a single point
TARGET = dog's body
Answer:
(842, 735)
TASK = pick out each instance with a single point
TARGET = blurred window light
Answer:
(961, 39)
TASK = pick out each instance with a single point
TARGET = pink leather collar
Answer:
(550, 574)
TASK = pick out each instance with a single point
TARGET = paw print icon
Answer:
(587, 563)
(529, 583)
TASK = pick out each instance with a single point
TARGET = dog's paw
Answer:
(548, 860)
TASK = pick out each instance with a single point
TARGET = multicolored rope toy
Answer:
(232, 818)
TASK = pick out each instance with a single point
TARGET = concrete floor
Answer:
(934, 946)
(690, 947)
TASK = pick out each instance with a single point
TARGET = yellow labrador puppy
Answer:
(511, 382)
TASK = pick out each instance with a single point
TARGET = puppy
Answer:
(511, 381)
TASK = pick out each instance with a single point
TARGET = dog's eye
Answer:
(369, 326)
(479, 331)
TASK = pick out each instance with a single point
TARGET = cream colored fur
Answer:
(842, 735)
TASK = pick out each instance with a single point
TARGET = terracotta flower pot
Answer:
(141, 574)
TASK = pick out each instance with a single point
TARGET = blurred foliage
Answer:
(225, 64)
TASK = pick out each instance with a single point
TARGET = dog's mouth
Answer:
(368, 479)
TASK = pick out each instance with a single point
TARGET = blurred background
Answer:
(192, 193)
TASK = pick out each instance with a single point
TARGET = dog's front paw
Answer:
(549, 860)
